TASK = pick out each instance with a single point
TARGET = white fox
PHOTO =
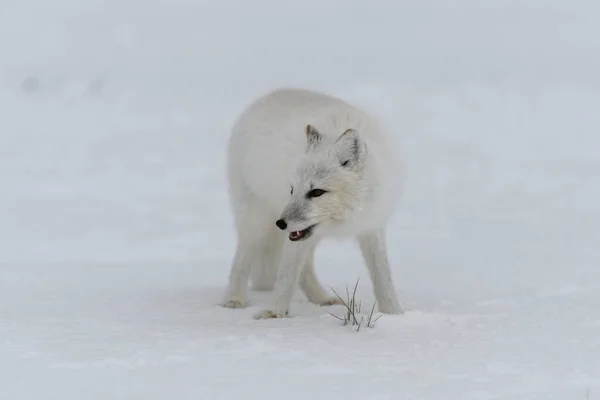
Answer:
(313, 166)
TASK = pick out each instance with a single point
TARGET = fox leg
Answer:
(374, 251)
(264, 270)
(310, 285)
(252, 245)
(293, 257)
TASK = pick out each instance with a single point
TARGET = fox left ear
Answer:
(351, 148)
(313, 137)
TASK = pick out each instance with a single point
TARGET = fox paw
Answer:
(234, 304)
(330, 301)
(268, 314)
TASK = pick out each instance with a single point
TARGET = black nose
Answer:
(281, 224)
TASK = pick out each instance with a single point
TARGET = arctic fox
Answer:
(313, 166)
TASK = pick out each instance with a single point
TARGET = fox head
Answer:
(327, 188)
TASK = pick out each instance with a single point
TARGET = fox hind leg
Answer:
(253, 234)
(264, 270)
(310, 285)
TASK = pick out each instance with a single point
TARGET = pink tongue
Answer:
(296, 234)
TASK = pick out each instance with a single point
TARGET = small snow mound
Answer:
(31, 84)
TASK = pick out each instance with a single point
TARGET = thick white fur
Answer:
(268, 154)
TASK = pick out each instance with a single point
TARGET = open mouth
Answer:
(301, 235)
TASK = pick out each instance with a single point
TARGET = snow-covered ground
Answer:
(116, 237)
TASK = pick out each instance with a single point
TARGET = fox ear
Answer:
(351, 148)
(313, 137)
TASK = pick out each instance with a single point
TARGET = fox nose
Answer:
(281, 224)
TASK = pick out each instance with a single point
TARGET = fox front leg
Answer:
(293, 257)
(374, 251)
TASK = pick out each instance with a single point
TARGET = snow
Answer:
(116, 238)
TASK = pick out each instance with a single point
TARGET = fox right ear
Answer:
(313, 137)
(351, 148)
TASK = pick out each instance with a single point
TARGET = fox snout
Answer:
(295, 236)
(293, 217)
(281, 224)
(294, 213)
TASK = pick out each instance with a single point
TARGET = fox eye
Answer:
(345, 163)
(291, 190)
(315, 193)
